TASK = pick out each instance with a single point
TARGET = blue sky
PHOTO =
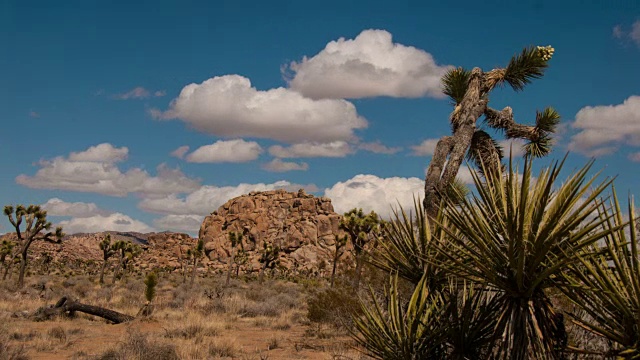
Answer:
(148, 115)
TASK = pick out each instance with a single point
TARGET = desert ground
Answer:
(245, 320)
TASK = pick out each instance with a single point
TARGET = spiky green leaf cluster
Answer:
(530, 64)
(150, 283)
(269, 255)
(403, 332)
(359, 226)
(546, 123)
(609, 291)
(408, 250)
(455, 83)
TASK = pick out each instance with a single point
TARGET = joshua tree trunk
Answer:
(261, 274)
(333, 271)
(116, 271)
(23, 267)
(230, 263)
(442, 171)
(358, 269)
(104, 266)
(193, 271)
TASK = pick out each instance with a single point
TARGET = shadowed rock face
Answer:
(302, 225)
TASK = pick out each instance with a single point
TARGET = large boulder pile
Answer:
(303, 226)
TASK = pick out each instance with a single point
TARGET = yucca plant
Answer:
(410, 331)
(455, 322)
(609, 291)
(514, 238)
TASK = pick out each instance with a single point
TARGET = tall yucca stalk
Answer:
(609, 291)
(514, 238)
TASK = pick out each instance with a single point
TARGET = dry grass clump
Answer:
(139, 347)
(223, 348)
(9, 351)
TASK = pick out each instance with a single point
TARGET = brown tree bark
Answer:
(68, 306)
(450, 151)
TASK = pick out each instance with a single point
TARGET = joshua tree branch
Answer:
(504, 120)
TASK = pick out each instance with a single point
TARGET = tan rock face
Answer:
(302, 225)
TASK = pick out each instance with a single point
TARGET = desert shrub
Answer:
(222, 349)
(57, 333)
(333, 306)
(213, 306)
(138, 347)
(11, 352)
(179, 296)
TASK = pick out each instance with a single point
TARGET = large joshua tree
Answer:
(37, 228)
(469, 92)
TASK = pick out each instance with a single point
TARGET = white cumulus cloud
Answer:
(234, 151)
(139, 92)
(187, 223)
(277, 165)
(632, 34)
(98, 223)
(367, 66)
(332, 149)
(229, 106)
(93, 172)
(515, 146)
(104, 153)
(180, 152)
(371, 192)
(378, 148)
(603, 129)
(59, 207)
(425, 148)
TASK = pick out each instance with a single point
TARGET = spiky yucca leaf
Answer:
(515, 237)
(455, 83)
(609, 291)
(525, 67)
(400, 332)
(471, 322)
(406, 247)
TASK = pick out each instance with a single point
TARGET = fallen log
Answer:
(66, 306)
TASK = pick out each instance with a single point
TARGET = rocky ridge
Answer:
(303, 226)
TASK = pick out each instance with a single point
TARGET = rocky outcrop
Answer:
(303, 226)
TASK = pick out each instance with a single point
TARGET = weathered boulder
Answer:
(303, 226)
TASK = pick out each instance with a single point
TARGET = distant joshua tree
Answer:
(6, 249)
(268, 259)
(341, 243)
(469, 92)
(127, 251)
(234, 241)
(196, 253)
(108, 250)
(36, 229)
(360, 227)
